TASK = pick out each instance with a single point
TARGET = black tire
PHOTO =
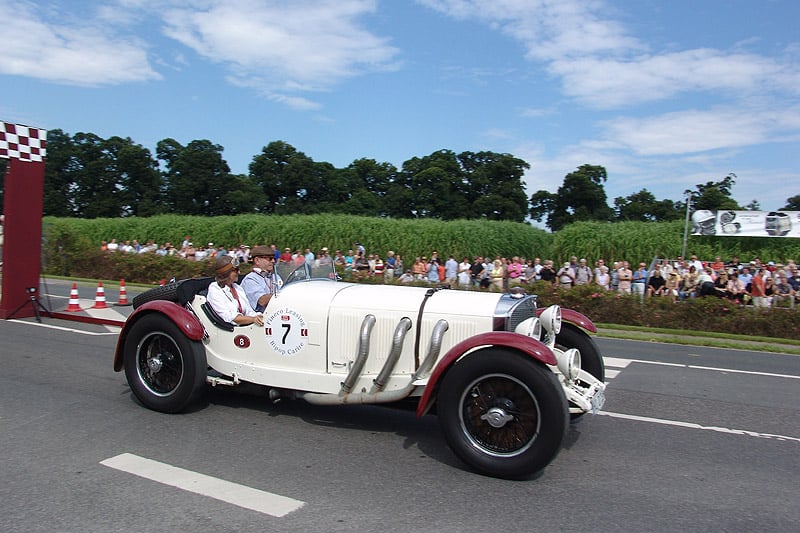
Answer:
(523, 407)
(164, 369)
(167, 292)
(591, 359)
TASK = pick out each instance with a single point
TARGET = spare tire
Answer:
(167, 292)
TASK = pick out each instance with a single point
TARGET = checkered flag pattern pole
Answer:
(22, 142)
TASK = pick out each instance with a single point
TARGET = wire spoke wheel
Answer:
(500, 414)
(164, 369)
(160, 363)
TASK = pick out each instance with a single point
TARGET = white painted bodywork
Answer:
(333, 313)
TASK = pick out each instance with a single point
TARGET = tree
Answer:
(97, 191)
(792, 204)
(494, 186)
(580, 197)
(286, 177)
(715, 196)
(138, 177)
(367, 184)
(197, 177)
(437, 182)
(60, 177)
(753, 206)
(643, 206)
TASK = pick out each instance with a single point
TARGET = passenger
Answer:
(259, 285)
(227, 298)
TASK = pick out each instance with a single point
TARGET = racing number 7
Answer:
(288, 328)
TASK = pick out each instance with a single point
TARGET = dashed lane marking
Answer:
(219, 489)
(623, 363)
(692, 425)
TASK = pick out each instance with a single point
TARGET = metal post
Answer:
(686, 224)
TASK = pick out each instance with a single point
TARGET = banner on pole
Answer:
(746, 223)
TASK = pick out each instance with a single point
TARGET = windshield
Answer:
(291, 272)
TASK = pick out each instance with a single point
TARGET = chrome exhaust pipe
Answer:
(373, 397)
(394, 354)
(361, 356)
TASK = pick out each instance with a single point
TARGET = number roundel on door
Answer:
(241, 341)
(286, 331)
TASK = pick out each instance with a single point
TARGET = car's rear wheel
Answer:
(502, 413)
(164, 369)
(591, 361)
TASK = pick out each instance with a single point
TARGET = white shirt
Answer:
(225, 304)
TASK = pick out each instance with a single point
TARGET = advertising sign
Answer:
(746, 223)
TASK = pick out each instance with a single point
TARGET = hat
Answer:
(566, 264)
(224, 265)
(324, 248)
(258, 251)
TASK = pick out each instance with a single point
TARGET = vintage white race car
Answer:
(503, 377)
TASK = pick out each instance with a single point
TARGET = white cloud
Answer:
(74, 55)
(297, 46)
(693, 131)
(602, 66)
(610, 83)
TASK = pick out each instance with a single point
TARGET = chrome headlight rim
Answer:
(569, 363)
(551, 320)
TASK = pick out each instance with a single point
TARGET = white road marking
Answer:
(611, 373)
(233, 493)
(114, 330)
(691, 425)
(623, 363)
(616, 362)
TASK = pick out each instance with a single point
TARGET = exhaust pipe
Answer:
(397, 346)
(380, 396)
(361, 356)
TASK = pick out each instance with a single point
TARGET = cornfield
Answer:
(631, 241)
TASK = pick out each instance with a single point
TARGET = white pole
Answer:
(686, 225)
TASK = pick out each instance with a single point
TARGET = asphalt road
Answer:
(690, 439)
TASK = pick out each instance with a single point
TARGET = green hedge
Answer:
(698, 314)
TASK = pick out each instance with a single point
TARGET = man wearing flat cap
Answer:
(227, 298)
(259, 284)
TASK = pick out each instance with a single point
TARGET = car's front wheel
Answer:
(502, 413)
(164, 368)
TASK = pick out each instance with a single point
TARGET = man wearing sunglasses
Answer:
(259, 284)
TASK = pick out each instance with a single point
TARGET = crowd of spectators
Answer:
(746, 283)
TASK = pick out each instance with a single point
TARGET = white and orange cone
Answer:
(74, 302)
(123, 293)
(100, 297)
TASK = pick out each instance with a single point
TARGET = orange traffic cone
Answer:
(74, 302)
(100, 297)
(123, 293)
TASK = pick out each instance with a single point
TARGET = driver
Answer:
(259, 284)
(227, 298)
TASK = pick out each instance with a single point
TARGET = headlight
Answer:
(551, 320)
(531, 327)
(569, 362)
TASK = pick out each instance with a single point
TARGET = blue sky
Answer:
(664, 95)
